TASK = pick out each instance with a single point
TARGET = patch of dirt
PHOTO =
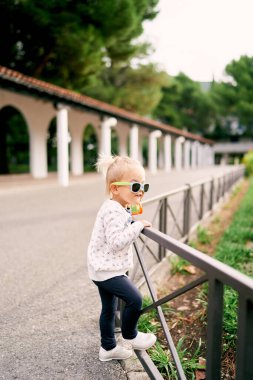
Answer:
(186, 316)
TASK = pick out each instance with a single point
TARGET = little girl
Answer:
(110, 256)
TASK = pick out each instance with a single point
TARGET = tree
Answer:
(135, 89)
(233, 99)
(185, 105)
(69, 42)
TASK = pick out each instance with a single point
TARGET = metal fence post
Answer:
(187, 211)
(223, 185)
(162, 224)
(218, 190)
(214, 329)
(202, 189)
(211, 194)
(244, 351)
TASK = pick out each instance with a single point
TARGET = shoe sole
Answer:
(109, 359)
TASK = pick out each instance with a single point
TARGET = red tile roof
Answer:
(21, 82)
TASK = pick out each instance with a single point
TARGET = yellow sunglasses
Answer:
(135, 187)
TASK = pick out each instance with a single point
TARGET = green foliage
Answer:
(52, 147)
(248, 162)
(185, 105)
(164, 362)
(14, 142)
(135, 89)
(233, 100)
(232, 250)
(70, 42)
(90, 148)
(203, 235)
(230, 318)
(148, 321)
(89, 47)
(178, 265)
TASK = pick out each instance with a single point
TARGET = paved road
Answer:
(48, 307)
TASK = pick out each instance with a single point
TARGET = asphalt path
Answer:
(49, 309)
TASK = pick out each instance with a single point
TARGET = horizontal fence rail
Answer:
(178, 212)
(217, 275)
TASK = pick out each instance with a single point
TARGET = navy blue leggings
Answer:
(124, 289)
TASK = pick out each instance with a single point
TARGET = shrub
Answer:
(248, 162)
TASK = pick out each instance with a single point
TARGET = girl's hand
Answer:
(146, 223)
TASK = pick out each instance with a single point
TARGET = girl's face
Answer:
(123, 193)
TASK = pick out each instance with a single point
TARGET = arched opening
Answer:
(128, 146)
(52, 146)
(145, 151)
(114, 142)
(90, 148)
(14, 142)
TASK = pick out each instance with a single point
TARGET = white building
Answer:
(39, 102)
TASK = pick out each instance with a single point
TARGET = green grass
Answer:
(232, 250)
(178, 265)
(165, 364)
(203, 235)
(148, 322)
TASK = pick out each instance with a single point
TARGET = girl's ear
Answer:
(114, 189)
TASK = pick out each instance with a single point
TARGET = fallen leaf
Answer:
(202, 361)
(183, 308)
(190, 269)
(200, 375)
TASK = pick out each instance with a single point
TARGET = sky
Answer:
(200, 37)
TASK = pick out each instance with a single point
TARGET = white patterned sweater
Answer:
(109, 251)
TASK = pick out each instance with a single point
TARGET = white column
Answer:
(140, 142)
(199, 154)
(106, 126)
(194, 154)
(152, 150)
(62, 146)
(211, 159)
(160, 147)
(134, 134)
(38, 152)
(206, 155)
(123, 142)
(167, 153)
(76, 152)
(178, 152)
(187, 147)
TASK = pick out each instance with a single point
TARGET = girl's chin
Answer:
(135, 203)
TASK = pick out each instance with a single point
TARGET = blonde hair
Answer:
(114, 167)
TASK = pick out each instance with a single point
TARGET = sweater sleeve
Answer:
(118, 234)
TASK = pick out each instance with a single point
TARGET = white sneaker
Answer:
(118, 353)
(142, 341)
